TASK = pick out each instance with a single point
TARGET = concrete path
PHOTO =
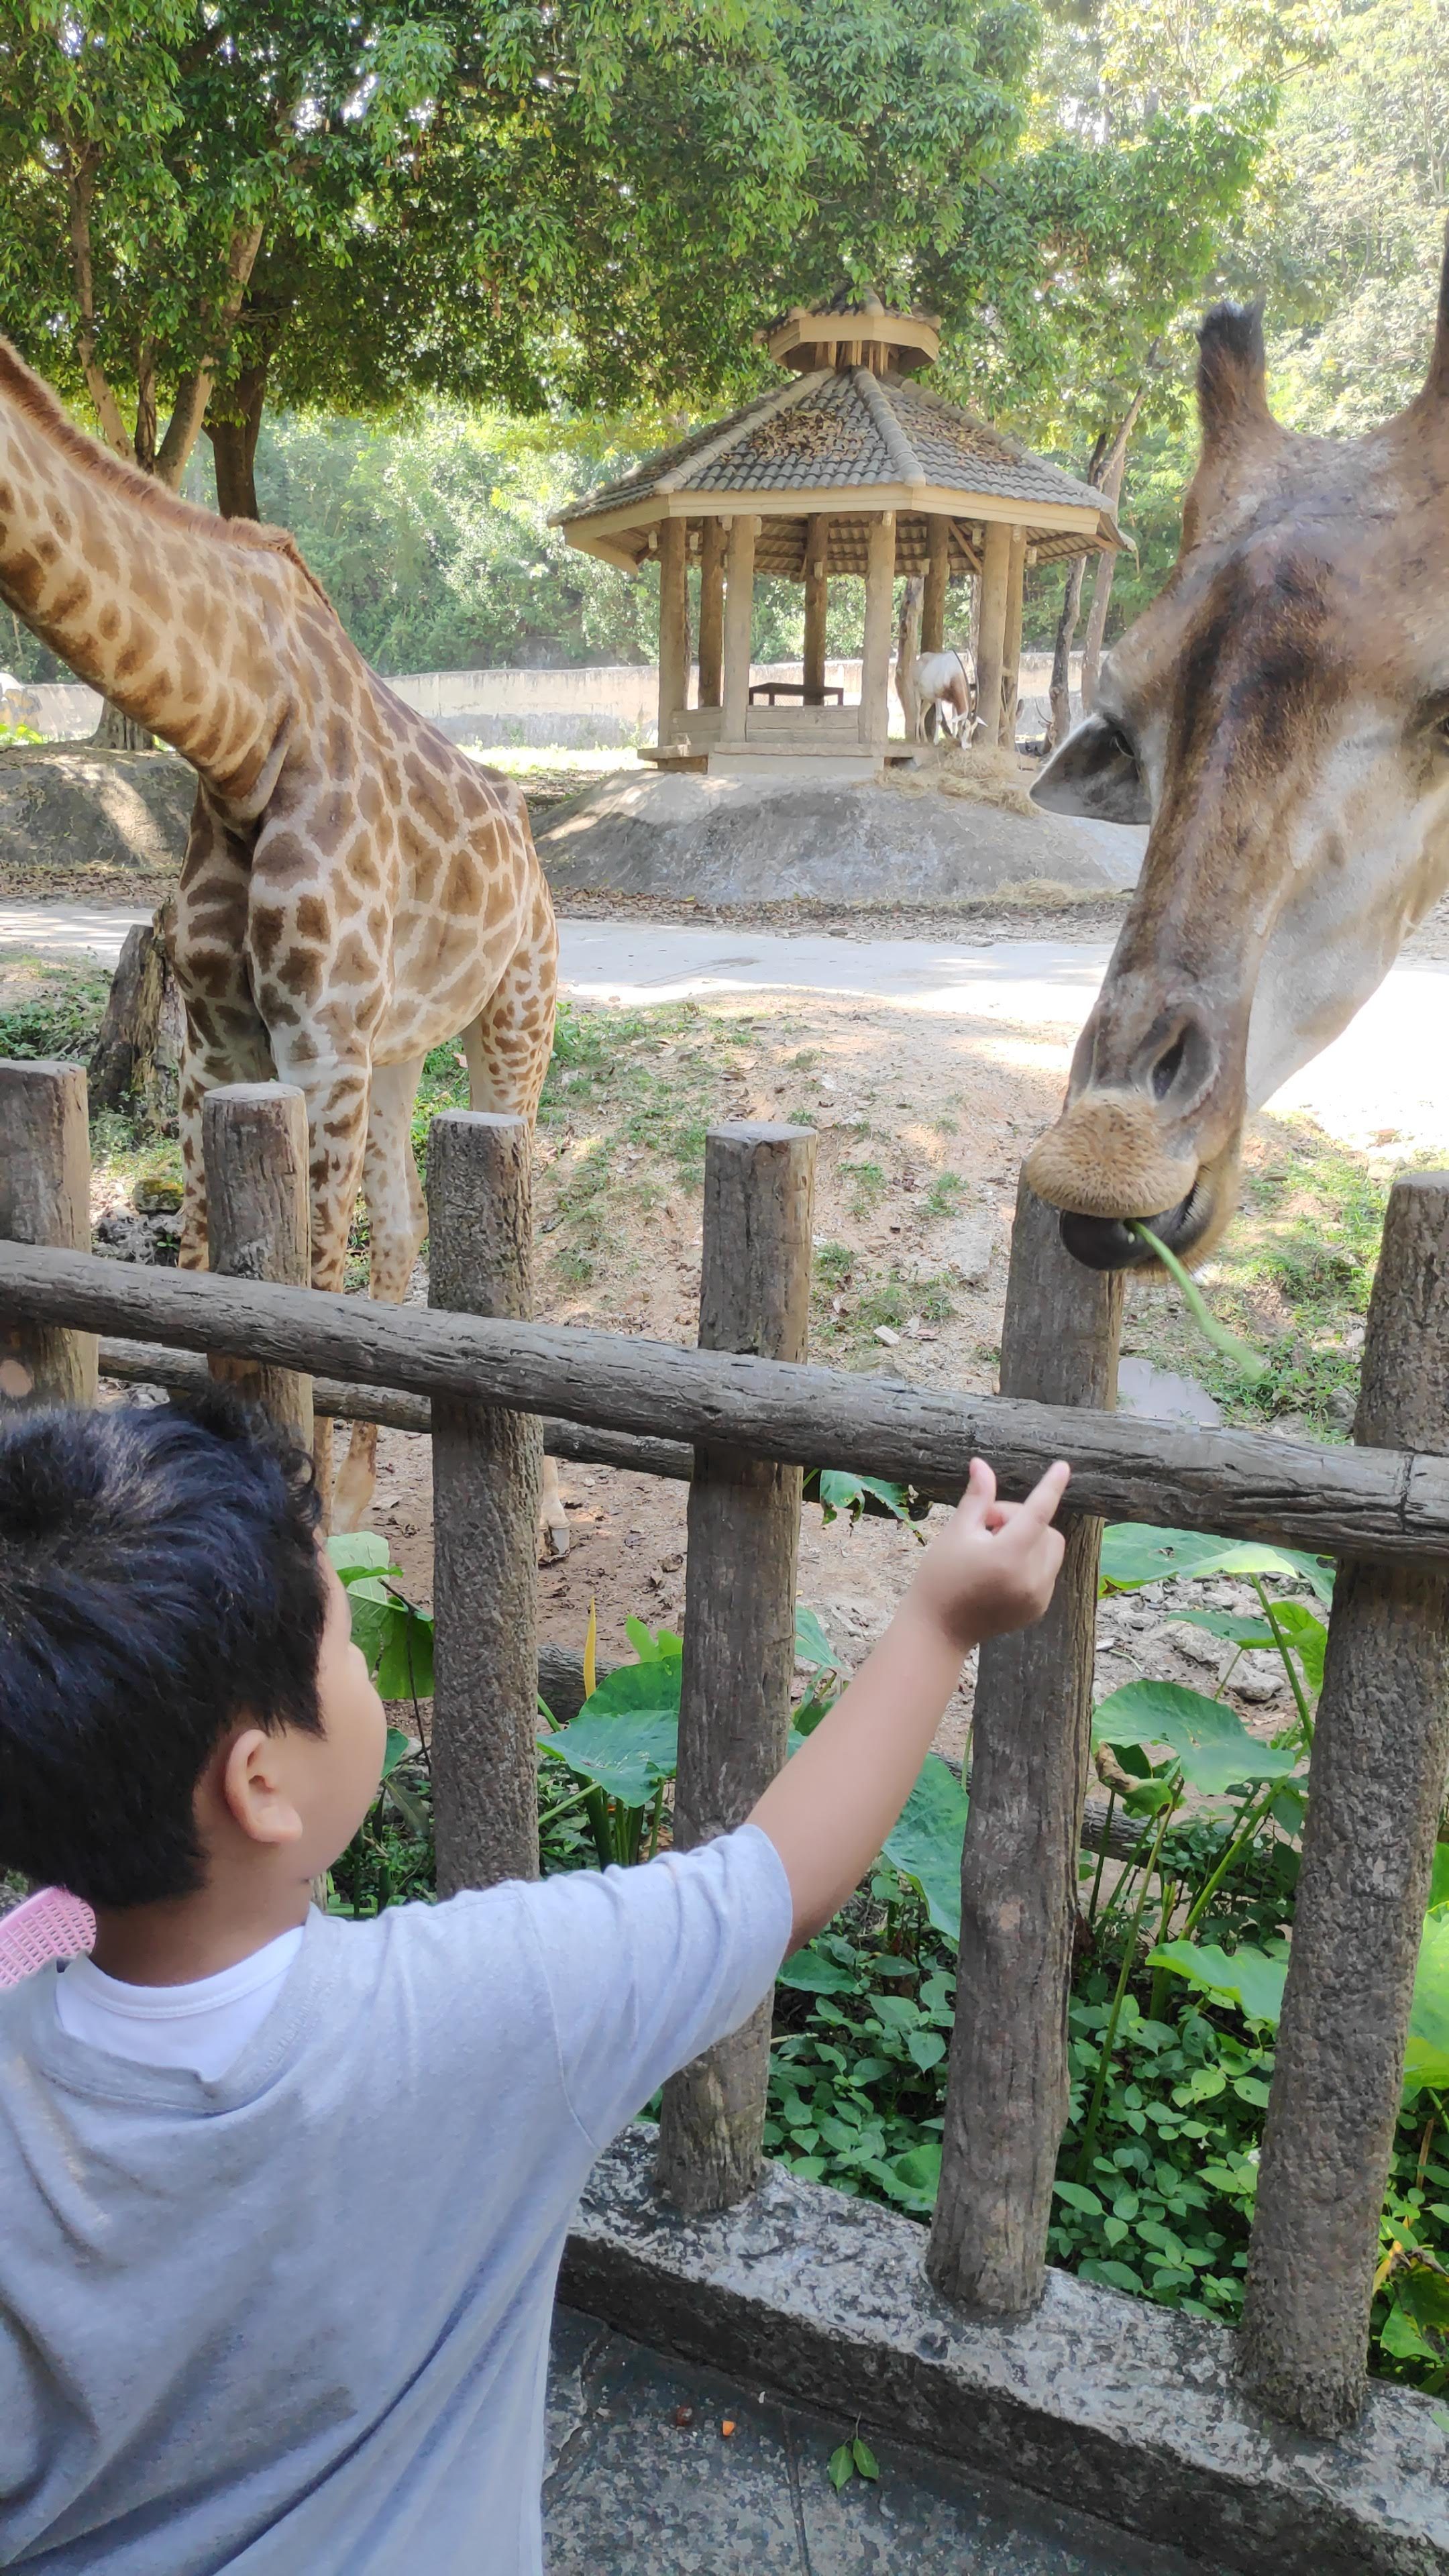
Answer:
(630, 2491)
(1386, 1079)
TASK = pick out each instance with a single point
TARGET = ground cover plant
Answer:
(1183, 1950)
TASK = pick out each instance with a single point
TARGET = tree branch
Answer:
(194, 392)
(80, 181)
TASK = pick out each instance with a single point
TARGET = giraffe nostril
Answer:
(1168, 1067)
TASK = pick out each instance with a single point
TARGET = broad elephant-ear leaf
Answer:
(925, 1842)
(1211, 1744)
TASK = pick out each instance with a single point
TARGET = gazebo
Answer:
(849, 467)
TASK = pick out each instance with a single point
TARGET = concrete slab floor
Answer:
(628, 2491)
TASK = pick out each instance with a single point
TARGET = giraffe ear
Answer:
(1232, 373)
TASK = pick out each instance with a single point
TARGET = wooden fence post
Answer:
(1375, 1785)
(1006, 2103)
(486, 1466)
(259, 1225)
(739, 1625)
(45, 1184)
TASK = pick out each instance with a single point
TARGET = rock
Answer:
(1197, 1646)
(156, 1194)
(1341, 1407)
(883, 1333)
(1259, 1679)
(127, 1236)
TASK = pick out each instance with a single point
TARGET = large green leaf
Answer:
(809, 1972)
(1426, 2060)
(625, 1739)
(1247, 1977)
(396, 1640)
(839, 1489)
(355, 1552)
(925, 1844)
(1255, 1981)
(1134, 1553)
(812, 1647)
(1210, 1741)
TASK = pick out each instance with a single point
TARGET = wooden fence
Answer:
(740, 1416)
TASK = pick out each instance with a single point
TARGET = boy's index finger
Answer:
(1047, 1493)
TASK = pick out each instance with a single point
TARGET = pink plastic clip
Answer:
(49, 1925)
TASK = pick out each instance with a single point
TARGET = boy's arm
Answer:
(831, 1808)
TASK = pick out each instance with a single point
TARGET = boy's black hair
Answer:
(159, 1580)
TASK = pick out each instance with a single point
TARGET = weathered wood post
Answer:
(258, 1222)
(1376, 1782)
(739, 1623)
(486, 1466)
(1006, 2102)
(711, 612)
(45, 1186)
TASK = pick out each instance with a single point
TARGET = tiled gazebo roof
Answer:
(836, 433)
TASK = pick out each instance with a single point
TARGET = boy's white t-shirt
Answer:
(205, 2025)
(295, 2316)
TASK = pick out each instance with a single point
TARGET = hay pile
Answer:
(986, 772)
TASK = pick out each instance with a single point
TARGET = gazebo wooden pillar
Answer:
(739, 606)
(875, 651)
(711, 611)
(817, 588)
(991, 651)
(1011, 641)
(673, 628)
(933, 599)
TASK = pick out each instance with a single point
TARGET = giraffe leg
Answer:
(334, 1087)
(226, 1038)
(397, 1219)
(508, 1047)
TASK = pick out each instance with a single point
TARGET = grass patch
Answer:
(868, 1187)
(61, 1018)
(945, 1194)
(1293, 1276)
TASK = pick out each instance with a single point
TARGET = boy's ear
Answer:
(252, 1790)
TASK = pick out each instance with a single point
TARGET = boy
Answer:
(282, 2199)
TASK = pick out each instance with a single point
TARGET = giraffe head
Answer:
(1280, 717)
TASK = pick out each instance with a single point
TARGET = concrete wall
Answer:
(598, 705)
(601, 704)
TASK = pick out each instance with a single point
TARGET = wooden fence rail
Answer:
(753, 1414)
(1378, 1503)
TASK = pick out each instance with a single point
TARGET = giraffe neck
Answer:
(144, 597)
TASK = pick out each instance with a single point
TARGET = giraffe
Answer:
(354, 890)
(1280, 717)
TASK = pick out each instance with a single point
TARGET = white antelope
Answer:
(945, 681)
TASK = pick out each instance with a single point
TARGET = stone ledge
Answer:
(1099, 2401)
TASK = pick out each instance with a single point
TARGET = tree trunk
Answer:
(1061, 693)
(1111, 488)
(234, 447)
(119, 732)
(122, 1071)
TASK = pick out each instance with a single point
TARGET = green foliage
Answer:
(1210, 1745)
(840, 1489)
(853, 2459)
(62, 1017)
(396, 1638)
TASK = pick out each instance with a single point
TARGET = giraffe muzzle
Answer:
(1109, 1243)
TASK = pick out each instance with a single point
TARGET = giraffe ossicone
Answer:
(355, 891)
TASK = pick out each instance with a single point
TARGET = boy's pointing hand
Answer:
(993, 1567)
